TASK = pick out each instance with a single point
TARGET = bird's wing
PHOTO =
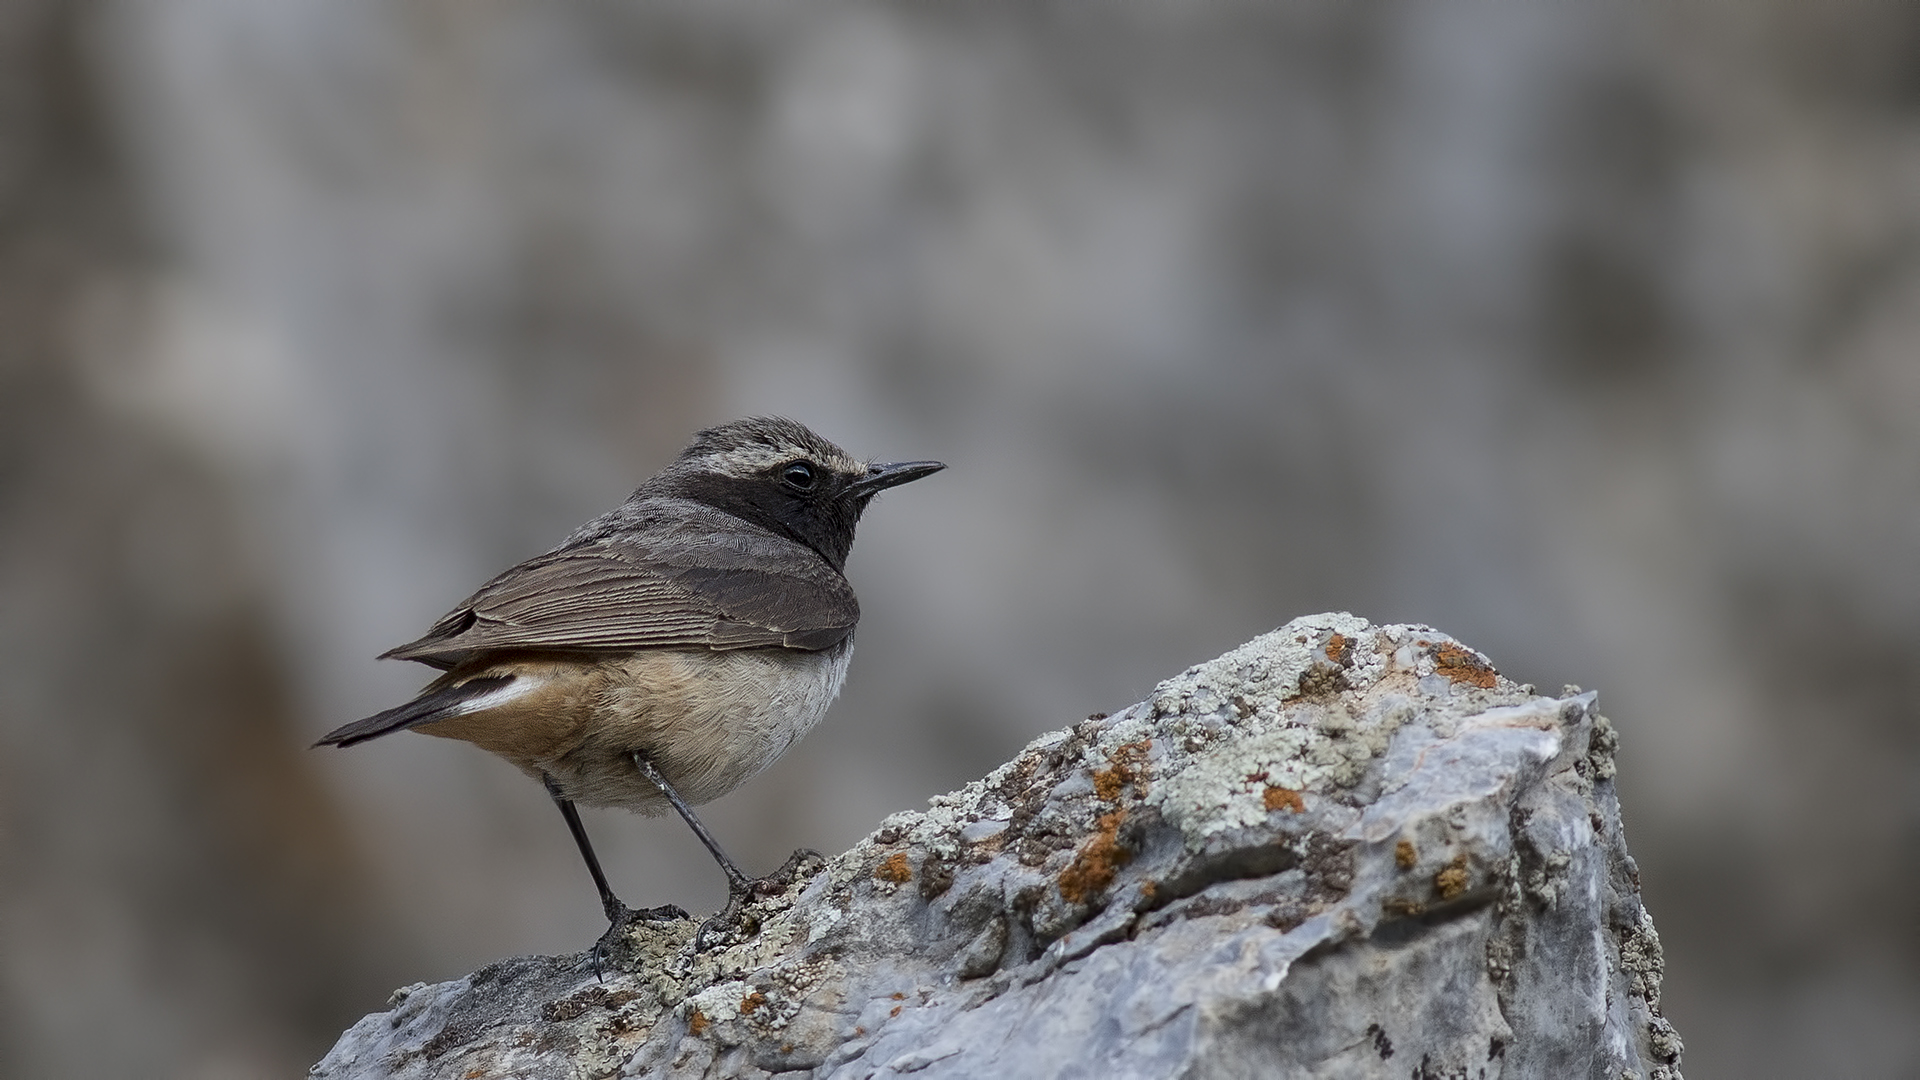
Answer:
(725, 593)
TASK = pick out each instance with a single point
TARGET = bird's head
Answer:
(779, 474)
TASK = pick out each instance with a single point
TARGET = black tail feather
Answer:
(432, 705)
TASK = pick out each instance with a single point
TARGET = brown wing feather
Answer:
(730, 593)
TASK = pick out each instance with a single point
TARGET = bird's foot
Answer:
(801, 866)
(738, 921)
(606, 950)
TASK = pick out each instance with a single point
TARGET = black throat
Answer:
(823, 522)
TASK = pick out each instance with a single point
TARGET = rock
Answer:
(1340, 850)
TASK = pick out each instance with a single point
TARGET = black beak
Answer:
(892, 474)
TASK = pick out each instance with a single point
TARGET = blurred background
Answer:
(1589, 334)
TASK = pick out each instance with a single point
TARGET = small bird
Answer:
(671, 648)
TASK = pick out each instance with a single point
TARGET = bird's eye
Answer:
(799, 474)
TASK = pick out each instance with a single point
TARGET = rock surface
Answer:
(1340, 850)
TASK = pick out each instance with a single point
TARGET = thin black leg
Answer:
(737, 882)
(609, 903)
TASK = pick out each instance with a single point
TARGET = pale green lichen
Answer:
(1227, 790)
(1642, 958)
(1303, 711)
(1268, 700)
(720, 1002)
(1252, 681)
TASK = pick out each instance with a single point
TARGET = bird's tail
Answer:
(437, 703)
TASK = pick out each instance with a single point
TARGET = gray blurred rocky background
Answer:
(1588, 333)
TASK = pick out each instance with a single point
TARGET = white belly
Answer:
(709, 721)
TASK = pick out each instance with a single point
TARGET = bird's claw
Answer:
(618, 923)
(738, 921)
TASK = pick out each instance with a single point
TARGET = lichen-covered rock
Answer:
(1340, 850)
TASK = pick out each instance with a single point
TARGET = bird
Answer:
(669, 650)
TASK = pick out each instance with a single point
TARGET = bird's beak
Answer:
(881, 476)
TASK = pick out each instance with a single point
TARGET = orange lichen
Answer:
(1279, 798)
(751, 1002)
(1123, 770)
(895, 1011)
(1403, 907)
(895, 869)
(1462, 666)
(1098, 860)
(1452, 879)
(697, 1024)
(1404, 855)
(1337, 647)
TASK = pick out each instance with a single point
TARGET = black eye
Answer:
(799, 474)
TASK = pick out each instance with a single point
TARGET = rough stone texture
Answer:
(1338, 851)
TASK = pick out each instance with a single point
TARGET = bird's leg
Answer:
(617, 913)
(609, 903)
(740, 888)
(737, 883)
